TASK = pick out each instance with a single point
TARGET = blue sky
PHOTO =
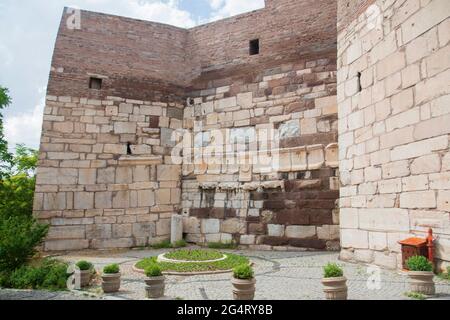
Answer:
(28, 31)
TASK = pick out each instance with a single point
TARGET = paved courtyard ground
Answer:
(280, 275)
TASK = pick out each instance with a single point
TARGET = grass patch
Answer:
(222, 245)
(166, 244)
(229, 263)
(415, 295)
(194, 255)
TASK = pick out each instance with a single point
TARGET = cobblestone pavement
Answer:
(280, 275)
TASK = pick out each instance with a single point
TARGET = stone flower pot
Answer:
(155, 287)
(335, 288)
(243, 289)
(85, 277)
(111, 282)
(422, 282)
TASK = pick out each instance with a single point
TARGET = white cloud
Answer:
(226, 8)
(25, 128)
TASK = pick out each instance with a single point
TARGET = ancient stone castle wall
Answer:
(247, 200)
(393, 96)
(106, 178)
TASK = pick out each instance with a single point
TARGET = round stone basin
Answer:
(162, 258)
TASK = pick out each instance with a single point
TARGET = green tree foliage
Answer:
(20, 233)
(5, 156)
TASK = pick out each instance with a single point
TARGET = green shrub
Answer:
(419, 263)
(111, 269)
(332, 270)
(19, 237)
(153, 271)
(222, 245)
(84, 265)
(166, 244)
(47, 275)
(162, 245)
(243, 272)
(179, 244)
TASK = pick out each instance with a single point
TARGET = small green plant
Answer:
(166, 244)
(180, 244)
(153, 271)
(222, 245)
(445, 275)
(415, 295)
(162, 245)
(243, 272)
(419, 263)
(332, 270)
(84, 265)
(111, 269)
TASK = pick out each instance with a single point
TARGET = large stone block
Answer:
(300, 232)
(84, 200)
(210, 226)
(379, 219)
(63, 245)
(233, 226)
(66, 232)
(144, 229)
(420, 199)
(352, 238)
(168, 172)
(99, 231)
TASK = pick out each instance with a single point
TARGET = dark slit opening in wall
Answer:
(359, 81)
(129, 152)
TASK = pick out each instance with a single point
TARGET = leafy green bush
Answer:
(419, 263)
(111, 269)
(243, 272)
(332, 270)
(153, 271)
(84, 265)
(222, 245)
(47, 274)
(19, 236)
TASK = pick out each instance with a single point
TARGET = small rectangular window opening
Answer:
(359, 81)
(95, 83)
(254, 47)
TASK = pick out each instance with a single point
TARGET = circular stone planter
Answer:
(335, 288)
(243, 289)
(111, 282)
(162, 258)
(155, 287)
(422, 282)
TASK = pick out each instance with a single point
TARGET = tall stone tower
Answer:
(394, 113)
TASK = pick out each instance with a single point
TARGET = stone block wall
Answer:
(105, 177)
(393, 97)
(288, 203)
